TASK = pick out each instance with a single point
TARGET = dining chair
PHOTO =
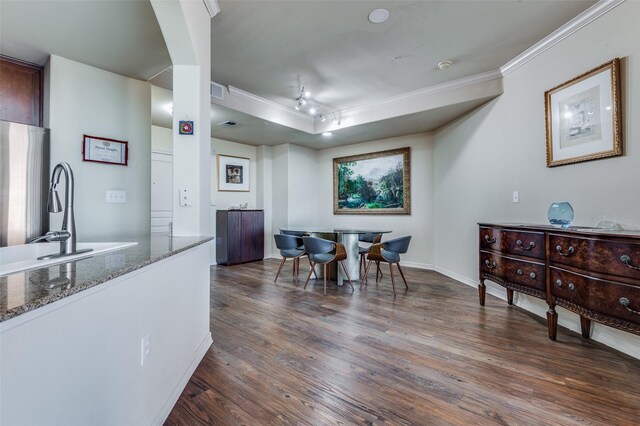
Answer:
(297, 234)
(289, 246)
(388, 252)
(364, 250)
(323, 252)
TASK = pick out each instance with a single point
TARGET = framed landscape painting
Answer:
(584, 117)
(376, 183)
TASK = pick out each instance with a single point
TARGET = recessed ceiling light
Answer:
(443, 65)
(327, 134)
(312, 111)
(378, 16)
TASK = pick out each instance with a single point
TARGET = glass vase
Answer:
(560, 214)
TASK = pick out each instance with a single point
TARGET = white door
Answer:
(161, 191)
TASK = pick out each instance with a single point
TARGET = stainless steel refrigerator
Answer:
(24, 182)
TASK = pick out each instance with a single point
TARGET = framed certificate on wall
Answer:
(103, 150)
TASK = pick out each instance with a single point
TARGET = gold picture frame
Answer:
(584, 117)
(377, 183)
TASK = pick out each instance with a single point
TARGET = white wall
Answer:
(86, 100)
(225, 199)
(161, 139)
(419, 224)
(303, 179)
(500, 147)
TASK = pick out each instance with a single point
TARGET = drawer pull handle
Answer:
(489, 241)
(572, 287)
(490, 265)
(519, 272)
(559, 282)
(625, 302)
(532, 275)
(627, 261)
(531, 245)
(569, 252)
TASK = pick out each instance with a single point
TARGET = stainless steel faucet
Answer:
(68, 244)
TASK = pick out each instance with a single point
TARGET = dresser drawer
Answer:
(596, 255)
(522, 243)
(592, 297)
(508, 270)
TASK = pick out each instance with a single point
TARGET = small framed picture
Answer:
(584, 117)
(103, 150)
(233, 173)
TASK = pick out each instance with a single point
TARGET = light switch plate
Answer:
(116, 197)
(516, 196)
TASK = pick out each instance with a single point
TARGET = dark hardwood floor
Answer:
(432, 356)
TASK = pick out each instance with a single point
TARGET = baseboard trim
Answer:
(173, 398)
(600, 333)
(417, 265)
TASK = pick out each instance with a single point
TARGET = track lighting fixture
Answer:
(301, 99)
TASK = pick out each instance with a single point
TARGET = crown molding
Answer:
(580, 21)
(212, 7)
(423, 93)
(255, 99)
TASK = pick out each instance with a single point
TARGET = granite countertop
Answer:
(28, 290)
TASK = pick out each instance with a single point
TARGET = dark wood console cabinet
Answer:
(239, 236)
(591, 272)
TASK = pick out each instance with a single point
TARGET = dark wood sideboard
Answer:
(239, 236)
(594, 273)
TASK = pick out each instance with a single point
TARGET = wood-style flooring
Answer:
(432, 356)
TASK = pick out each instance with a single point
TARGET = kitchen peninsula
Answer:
(109, 339)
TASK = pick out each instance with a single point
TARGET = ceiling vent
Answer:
(217, 91)
(228, 123)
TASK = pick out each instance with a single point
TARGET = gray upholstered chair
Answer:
(364, 250)
(297, 234)
(389, 252)
(324, 252)
(289, 246)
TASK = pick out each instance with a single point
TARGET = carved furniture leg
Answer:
(585, 326)
(510, 296)
(482, 290)
(552, 322)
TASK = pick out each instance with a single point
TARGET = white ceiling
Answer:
(273, 48)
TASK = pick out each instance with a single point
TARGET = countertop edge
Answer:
(12, 313)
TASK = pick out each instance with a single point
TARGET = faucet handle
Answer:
(57, 236)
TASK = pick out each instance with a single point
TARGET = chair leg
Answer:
(313, 268)
(401, 273)
(280, 268)
(366, 274)
(378, 270)
(393, 284)
(347, 273)
(325, 278)
(309, 276)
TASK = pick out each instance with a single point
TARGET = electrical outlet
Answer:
(116, 197)
(145, 349)
(516, 196)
